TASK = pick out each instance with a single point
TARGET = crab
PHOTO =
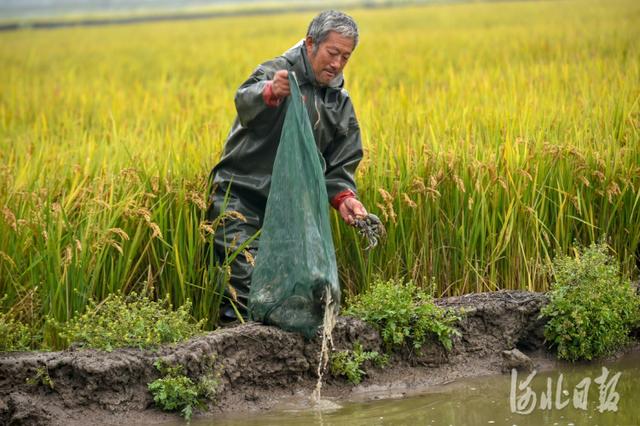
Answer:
(371, 228)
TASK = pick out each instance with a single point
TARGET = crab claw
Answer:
(375, 222)
(373, 219)
(371, 228)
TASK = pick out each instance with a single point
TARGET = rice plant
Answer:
(497, 135)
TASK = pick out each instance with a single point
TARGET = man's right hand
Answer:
(280, 86)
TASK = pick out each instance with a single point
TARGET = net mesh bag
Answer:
(295, 270)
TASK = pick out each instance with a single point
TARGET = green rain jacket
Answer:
(250, 150)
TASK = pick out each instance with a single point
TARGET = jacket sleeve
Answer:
(249, 99)
(343, 154)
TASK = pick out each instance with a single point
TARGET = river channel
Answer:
(599, 393)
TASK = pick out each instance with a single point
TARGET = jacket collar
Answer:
(297, 57)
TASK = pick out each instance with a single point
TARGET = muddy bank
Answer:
(262, 365)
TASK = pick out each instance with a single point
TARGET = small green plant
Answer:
(175, 391)
(349, 363)
(139, 322)
(591, 309)
(14, 335)
(402, 312)
(41, 378)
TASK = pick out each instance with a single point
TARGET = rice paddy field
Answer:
(497, 135)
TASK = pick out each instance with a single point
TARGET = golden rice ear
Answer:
(408, 201)
(233, 292)
(247, 254)
(10, 218)
(385, 195)
(5, 257)
(67, 257)
(206, 228)
(197, 199)
(418, 186)
(235, 215)
(156, 233)
(119, 232)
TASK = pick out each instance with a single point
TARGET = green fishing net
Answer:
(295, 270)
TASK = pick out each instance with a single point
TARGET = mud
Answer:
(262, 366)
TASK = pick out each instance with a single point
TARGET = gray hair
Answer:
(332, 20)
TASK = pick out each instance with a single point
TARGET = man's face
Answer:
(330, 58)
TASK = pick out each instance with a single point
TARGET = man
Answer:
(241, 180)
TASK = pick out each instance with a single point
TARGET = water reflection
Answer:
(485, 401)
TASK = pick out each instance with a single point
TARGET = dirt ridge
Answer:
(259, 364)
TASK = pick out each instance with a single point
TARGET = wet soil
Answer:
(261, 366)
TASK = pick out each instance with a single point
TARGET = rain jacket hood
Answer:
(303, 69)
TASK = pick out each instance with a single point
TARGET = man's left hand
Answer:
(350, 209)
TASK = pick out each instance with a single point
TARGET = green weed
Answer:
(175, 391)
(41, 378)
(137, 322)
(349, 363)
(403, 313)
(14, 335)
(592, 308)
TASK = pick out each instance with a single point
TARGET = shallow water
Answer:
(612, 398)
